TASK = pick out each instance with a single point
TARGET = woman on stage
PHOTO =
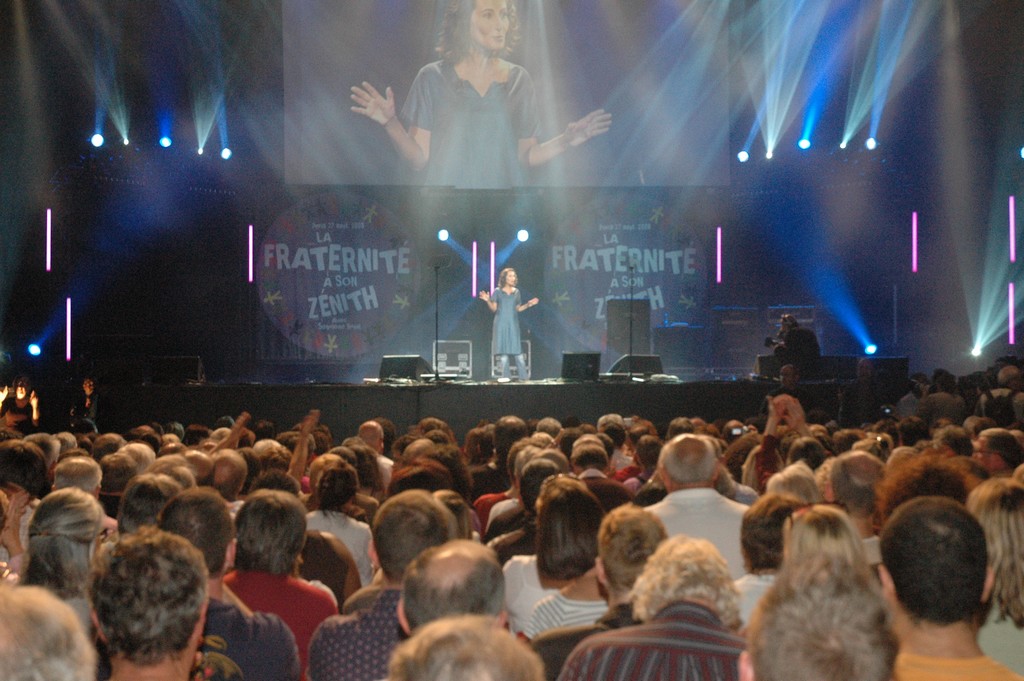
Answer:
(470, 119)
(506, 304)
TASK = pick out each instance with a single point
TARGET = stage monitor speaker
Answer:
(176, 370)
(403, 366)
(618, 315)
(637, 364)
(581, 366)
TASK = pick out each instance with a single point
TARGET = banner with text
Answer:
(623, 246)
(336, 275)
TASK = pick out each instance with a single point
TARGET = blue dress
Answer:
(474, 139)
(505, 339)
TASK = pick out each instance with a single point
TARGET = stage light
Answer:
(1022, 152)
(125, 141)
(743, 156)
(225, 153)
(976, 351)
(522, 235)
(870, 143)
(804, 143)
(768, 154)
(34, 349)
(97, 140)
(165, 141)
(442, 235)
(870, 349)
(842, 145)
(200, 151)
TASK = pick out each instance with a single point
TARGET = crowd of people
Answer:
(776, 546)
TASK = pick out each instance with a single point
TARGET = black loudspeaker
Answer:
(637, 364)
(177, 370)
(618, 315)
(581, 366)
(403, 366)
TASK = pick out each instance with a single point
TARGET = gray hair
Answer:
(81, 472)
(41, 638)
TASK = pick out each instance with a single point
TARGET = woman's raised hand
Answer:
(373, 105)
(593, 124)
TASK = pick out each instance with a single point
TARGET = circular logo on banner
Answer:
(623, 243)
(336, 275)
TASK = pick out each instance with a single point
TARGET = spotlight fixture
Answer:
(165, 141)
(225, 153)
(768, 155)
(842, 145)
(804, 143)
(870, 143)
(442, 235)
(125, 141)
(34, 349)
(1022, 152)
(522, 235)
(976, 351)
(97, 140)
(870, 349)
(200, 151)
(743, 156)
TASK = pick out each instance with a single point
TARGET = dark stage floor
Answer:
(463, 405)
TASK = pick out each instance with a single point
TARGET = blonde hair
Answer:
(822, 530)
(998, 504)
(686, 569)
(796, 479)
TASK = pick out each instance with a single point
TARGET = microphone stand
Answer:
(437, 318)
(629, 364)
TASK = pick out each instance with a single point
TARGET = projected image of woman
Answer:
(506, 304)
(471, 118)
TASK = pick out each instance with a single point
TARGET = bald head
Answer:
(372, 434)
(688, 461)
(460, 577)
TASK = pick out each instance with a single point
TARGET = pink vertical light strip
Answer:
(913, 242)
(67, 330)
(472, 290)
(1011, 317)
(49, 237)
(492, 267)
(718, 256)
(1013, 229)
(250, 255)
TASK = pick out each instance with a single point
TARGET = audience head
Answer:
(822, 530)
(464, 648)
(461, 511)
(22, 464)
(688, 460)
(853, 479)
(762, 530)
(532, 480)
(685, 569)
(998, 504)
(820, 622)
(271, 530)
(627, 537)
(922, 475)
(41, 638)
(143, 498)
(405, 525)
(460, 577)
(149, 597)
(797, 480)
(80, 472)
(998, 451)
(62, 536)
(568, 518)
(201, 516)
(934, 561)
(229, 473)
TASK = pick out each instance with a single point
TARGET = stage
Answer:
(344, 406)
